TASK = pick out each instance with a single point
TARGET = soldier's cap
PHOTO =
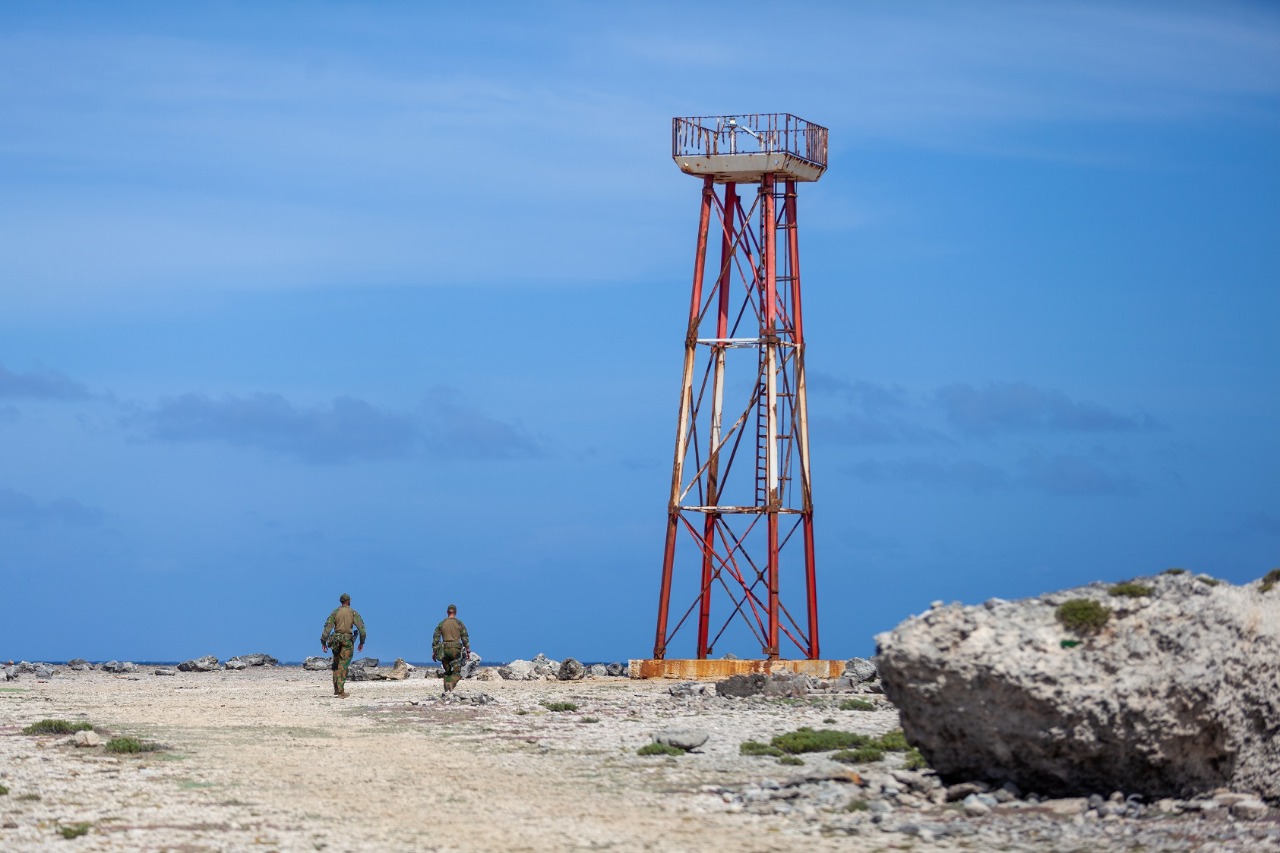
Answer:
(344, 598)
(452, 608)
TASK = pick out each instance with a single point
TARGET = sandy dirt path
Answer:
(268, 759)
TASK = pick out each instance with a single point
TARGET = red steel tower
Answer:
(740, 516)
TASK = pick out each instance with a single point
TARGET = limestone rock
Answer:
(86, 738)
(685, 739)
(115, 666)
(571, 670)
(164, 670)
(236, 664)
(517, 670)
(208, 663)
(256, 659)
(79, 665)
(1175, 695)
(616, 669)
(758, 684)
(315, 662)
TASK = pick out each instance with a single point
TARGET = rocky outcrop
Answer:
(571, 670)
(256, 659)
(315, 662)
(1176, 693)
(208, 663)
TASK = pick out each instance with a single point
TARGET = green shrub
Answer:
(751, 747)
(1130, 589)
(861, 755)
(790, 759)
(915, 761)
(74, 830)
(818, 740)
(590, 719)
(659, 749)
(1270, 579)
(1208, 581)
(856, 705)
(128, 745)
(560, 706)
(3, 790)
(56, 727)
(1082, 614)
(1174, 572)
(857, 806)
(894, 741)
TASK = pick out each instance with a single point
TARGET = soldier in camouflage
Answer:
(342, 630)
(451, 647)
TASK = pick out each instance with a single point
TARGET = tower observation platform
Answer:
(743, 149)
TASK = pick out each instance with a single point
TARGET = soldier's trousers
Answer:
(342, 649)
(451, 660)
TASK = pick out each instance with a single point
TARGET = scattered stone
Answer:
(10, 673)
(165, 671)
(687, 689)
(208, 663)
(686, 739)
(1005, 692)
(1251, 809)
(256, 659)
(571, 670)
(758, 684)
(118, 667)
(86, 738)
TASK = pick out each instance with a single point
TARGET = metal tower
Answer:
(741, 501)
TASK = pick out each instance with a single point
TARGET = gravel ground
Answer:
(267, 759)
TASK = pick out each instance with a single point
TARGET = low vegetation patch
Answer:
(914, 760)
(3, 790)
(1174, 572)
(1208, 581)
(590, 719)
(856, 705)
(849, 747)
(74, 830)
(790, 759)
(56, 727)
(560, 706)
(1082, 614)
(1270, 579)
(753, 747)
(128, 745)
(659, 749)
(861, 755)
(1130, 589)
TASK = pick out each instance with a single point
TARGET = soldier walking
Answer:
(340, 634)
(451, 647)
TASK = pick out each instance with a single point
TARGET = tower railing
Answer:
(751, 133)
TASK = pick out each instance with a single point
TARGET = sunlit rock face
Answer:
(1177, 693)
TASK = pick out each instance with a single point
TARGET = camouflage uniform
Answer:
(343, 631)
(451, 646)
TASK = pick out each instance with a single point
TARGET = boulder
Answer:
(10, 673)
(79, 665)
(365, 663)
(597, 670)
(236, 664)
(545, 668)
(1174, 695)
(398, 672)
(858, 670)
(517, 670)
(115, 666)
(86, 738)
(685, 739)
(208, 663)
(571, 670)
(256, 659)
(164, 670)
(42, 670)
(315, 662)
(759, 684)
(471, 666)
(616, 669)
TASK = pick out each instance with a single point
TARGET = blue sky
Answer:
(389, 299)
